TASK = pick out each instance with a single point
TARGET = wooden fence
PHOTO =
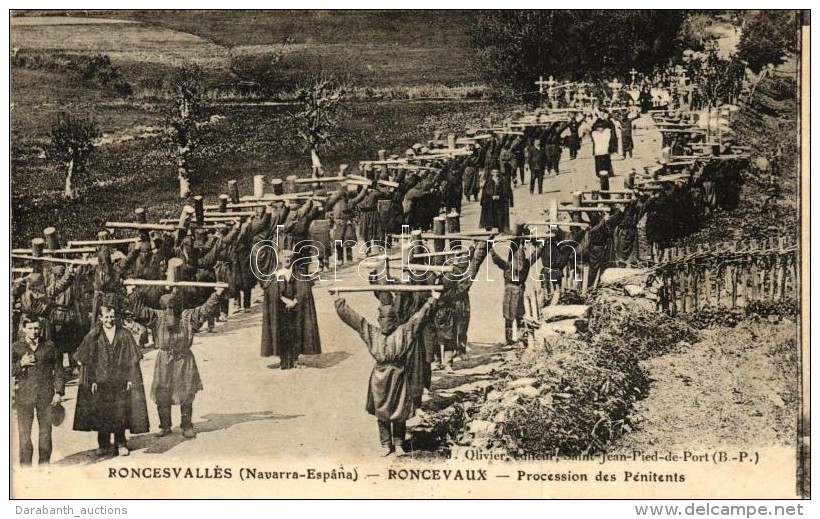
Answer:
(729, 275)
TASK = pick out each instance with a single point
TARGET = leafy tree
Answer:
(719, 80)
(767, 37)
(72, 141)
(515, 47)
(319, 106)
(183, 120)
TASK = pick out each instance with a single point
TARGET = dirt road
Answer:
(251, 409)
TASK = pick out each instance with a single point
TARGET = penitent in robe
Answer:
(387, 396)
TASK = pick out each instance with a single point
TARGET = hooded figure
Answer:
(389, 344)
(176, 376)
(38, 299)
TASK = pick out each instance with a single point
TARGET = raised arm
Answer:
(259, 225)
(142, 313)
(200, 314)
(479, 256)
(351, 318)
(61, 285)
(500, 263)
(414, 323)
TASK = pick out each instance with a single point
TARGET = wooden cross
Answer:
(633, 73)
(549, 83)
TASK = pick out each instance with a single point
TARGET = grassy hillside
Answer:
(250, 140)
(378, 50)
(371, 48)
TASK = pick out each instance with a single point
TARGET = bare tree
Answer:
(185, 116)
(72, 141)
(319, 103)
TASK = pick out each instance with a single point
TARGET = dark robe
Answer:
(370, 224)
(495, 213)
(625, 238)
(111, 366)
(574, 138)
(599, 245)
(387, 396)
(554, 259)
(423, 351)
(305, 327)
(456, 292)
(613, 137)
(471, 186)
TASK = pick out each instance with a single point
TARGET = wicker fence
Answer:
(730, 275)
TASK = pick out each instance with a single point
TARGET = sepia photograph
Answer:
(408, 254)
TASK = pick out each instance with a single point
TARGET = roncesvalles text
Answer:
(226, 473)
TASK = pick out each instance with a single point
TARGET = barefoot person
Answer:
(388, 344)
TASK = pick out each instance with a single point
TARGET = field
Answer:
(249, 140)
(379, 53)
(370, 48)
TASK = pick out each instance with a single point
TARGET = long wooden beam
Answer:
(135, 282)
(388, 288)
(576, 209)
(50, 259)
(319, 180)
(557, 224)
(141, 226)
(210, 208)
(118, 241)
(81, 250)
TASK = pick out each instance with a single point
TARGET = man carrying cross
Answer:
(388, 344)
(176, 376)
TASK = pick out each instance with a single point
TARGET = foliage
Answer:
(713, 317)
(718, 80)
(584, 390)
(72, 141)
(587, 394)
(184, 119)
(251, 140)
(319, 107)
(95, 69)
(768, 37)
(696, 30)
(515, 47)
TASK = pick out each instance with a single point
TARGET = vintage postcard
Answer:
(409, 254)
